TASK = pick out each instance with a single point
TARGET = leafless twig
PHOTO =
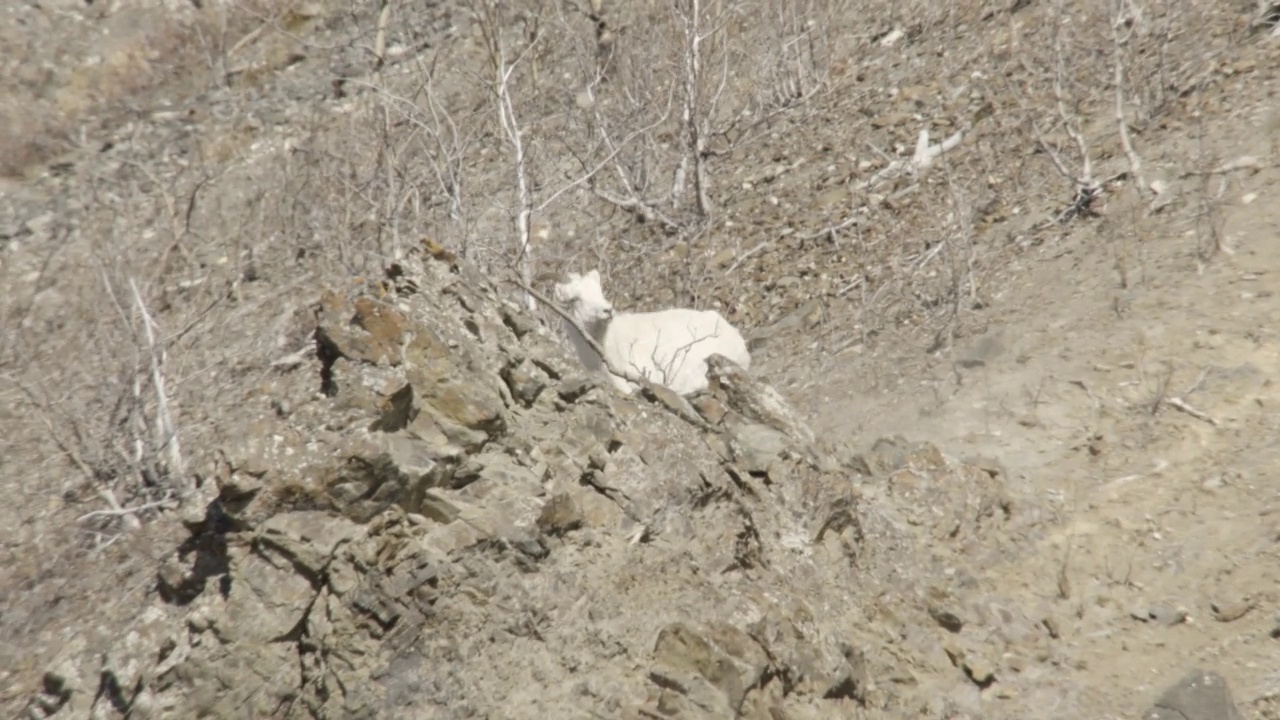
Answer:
(1180, 404)
(130, 512)
(492, 26)
(745, 256)
(832, 230)
(1244, 162)
(166, 433)
(1124, 16)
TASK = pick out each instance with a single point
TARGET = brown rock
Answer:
(1232, 610)
(560, 515)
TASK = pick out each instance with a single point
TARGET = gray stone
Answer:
(1198, 695)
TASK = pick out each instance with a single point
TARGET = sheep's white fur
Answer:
(669, 347)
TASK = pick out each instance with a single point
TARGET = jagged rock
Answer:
(448, 391)
(418, 457)
(560, 515)
(386, 549)
(673, 401)
(973, 658)
(755, 446)
(755, 400)
(749, 401)
(709, 670)
(574, 388)
(839, 526)
(362, 330)
(63, 688)
(480, 476)
(525, 381)
(711, 409)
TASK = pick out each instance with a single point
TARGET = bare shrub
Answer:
(591, 111)
(642, 138)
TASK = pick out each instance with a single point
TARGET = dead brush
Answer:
(116, 427)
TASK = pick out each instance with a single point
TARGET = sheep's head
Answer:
(583, 298)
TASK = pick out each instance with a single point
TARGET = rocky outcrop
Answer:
(457, 524)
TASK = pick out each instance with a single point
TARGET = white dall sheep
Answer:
(668, 347)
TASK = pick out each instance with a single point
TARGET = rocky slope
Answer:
(456, 523)
(396, 495)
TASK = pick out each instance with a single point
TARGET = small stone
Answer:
(1229, 611)
(1167, 616)
(524, 382)
(574, 388)
(711, 409)
(980, 670)
(1198, 695)
(438, 509)
(949, 620)
(1006, 693)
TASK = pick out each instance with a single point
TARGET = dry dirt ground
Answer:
(1145, 416)
(1134, 388)
(1121, 368)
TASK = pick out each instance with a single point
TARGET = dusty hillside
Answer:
(281, 436)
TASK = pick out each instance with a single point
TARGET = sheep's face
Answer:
(583, 297)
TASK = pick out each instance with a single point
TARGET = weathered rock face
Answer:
(460, 525)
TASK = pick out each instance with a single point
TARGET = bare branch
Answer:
(129, 513)
(1244, 162)
(745, 256)
(1119, 19)
(638, 207)
(1085, 181)
(492, 25)
(587, 175)
(1180, 404)
(166, 433)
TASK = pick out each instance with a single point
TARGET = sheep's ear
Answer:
(594, 275)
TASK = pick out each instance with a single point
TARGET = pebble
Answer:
(1228, 611)
(1161, 614)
